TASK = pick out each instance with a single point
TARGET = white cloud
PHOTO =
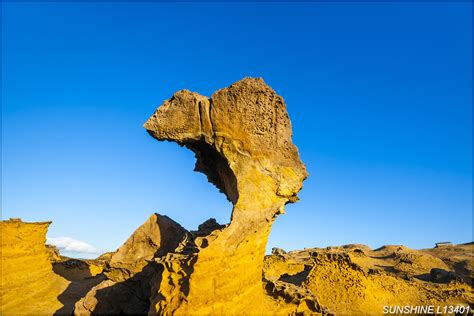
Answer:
(68, 244)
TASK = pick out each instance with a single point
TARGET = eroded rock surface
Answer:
(241, 137)
(158, 235)
(459, 258)
(28, 283)
(129, 270)
(355, 279)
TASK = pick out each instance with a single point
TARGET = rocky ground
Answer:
(356, 279)
(341, 280)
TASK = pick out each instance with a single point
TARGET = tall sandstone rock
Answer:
(241, 137)
(28, 283)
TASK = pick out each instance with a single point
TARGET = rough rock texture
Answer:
(459, 258)
(54, 254)
(354, 279)
(241, 137)
(77, 269)
(128, 271)
(28, 283)
(289, 299)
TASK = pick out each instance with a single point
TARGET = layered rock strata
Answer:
(28, 283)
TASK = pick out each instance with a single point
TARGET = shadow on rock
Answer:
(298, 278)
(438, 276)
(127, 297)
(132, 274)
(82, 281)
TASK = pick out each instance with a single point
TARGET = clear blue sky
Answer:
(380, 96)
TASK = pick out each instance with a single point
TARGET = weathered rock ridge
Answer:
(241, 137)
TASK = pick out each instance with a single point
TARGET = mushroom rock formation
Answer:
(241, 138)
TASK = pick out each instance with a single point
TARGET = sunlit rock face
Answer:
(28, 283)
(241, 137)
